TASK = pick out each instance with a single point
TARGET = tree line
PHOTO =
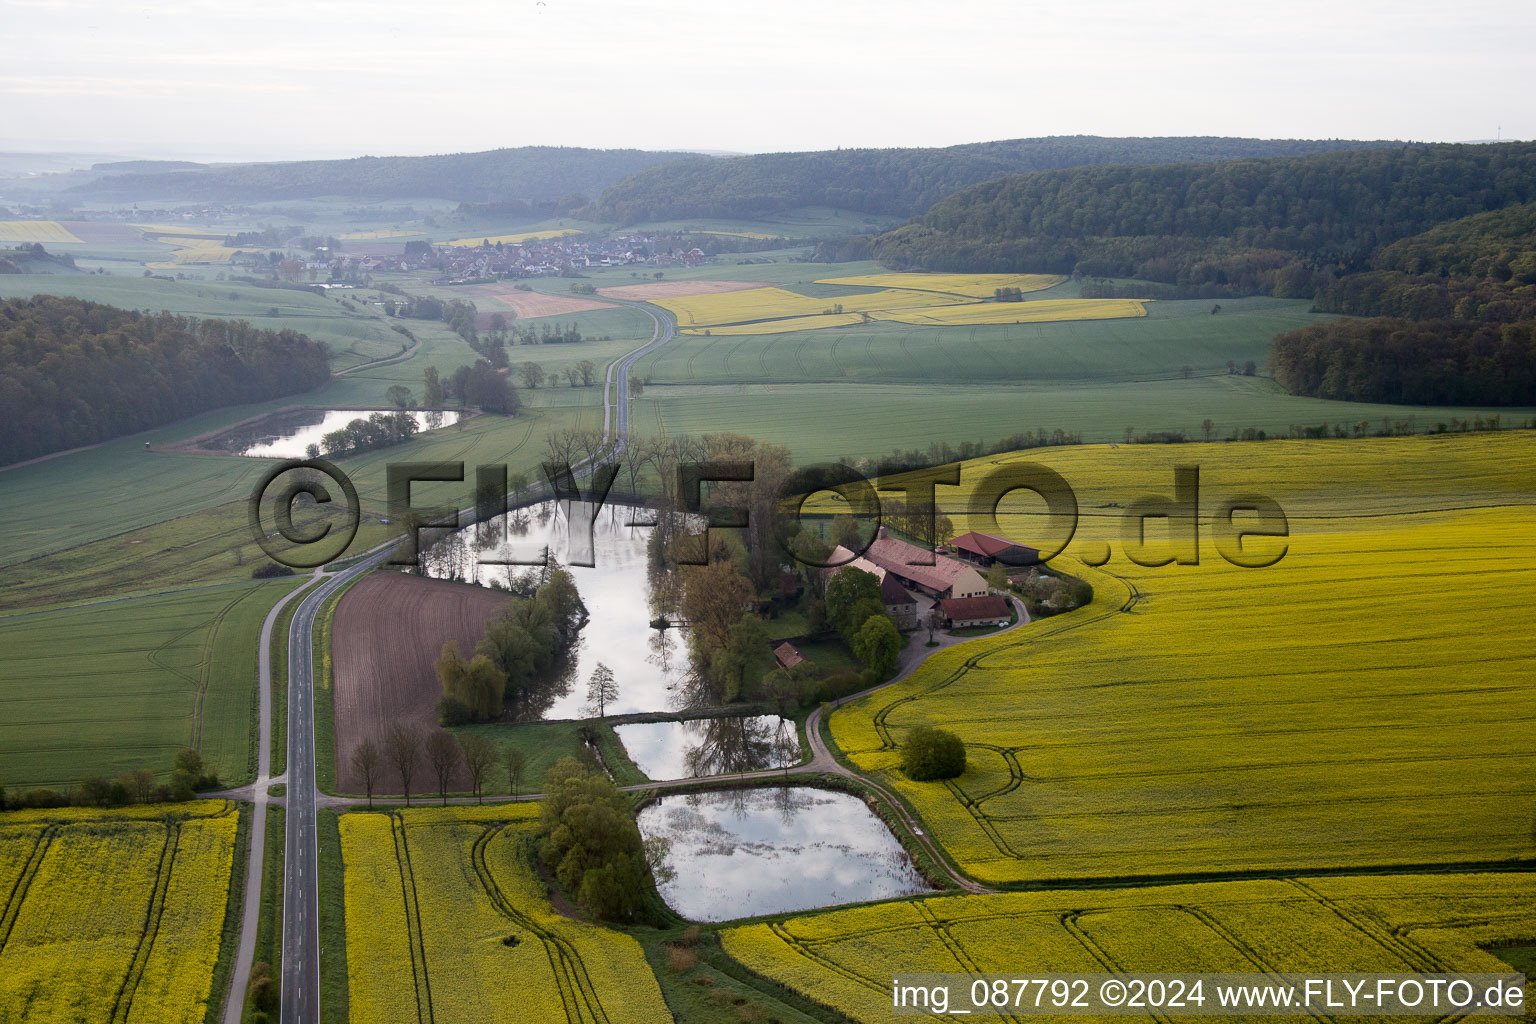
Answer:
(1400, 362)
(74, 372)
(536, 174)
(891, 182)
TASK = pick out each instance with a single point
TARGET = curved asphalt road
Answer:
(301, 891)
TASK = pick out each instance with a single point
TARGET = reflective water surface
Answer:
(767, 851)
(710, 746)
(649, 665)
(286, 435)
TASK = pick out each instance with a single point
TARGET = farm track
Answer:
(577, 993)
(420, 980)
(18, 894)
(123, 1005)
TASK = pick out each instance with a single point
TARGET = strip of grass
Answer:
(234, 912)
(269, 926)
(325, 692)
(703, 985)
(623, 770)
(542, 743)
(335, 1003)
(279, 656)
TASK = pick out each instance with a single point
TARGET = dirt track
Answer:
(387, 633)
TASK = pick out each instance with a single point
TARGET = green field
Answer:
(101, 689)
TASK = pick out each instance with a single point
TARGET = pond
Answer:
(771, 851)
(649, 665)
(710, 746)
(286, 435)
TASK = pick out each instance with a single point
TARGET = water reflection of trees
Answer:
(730, 746)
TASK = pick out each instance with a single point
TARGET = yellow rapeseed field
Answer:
(771, 303)
(452, 894)
(513, 239)
(1038, 311)
(1364, 701)
(113, 915)
(35, 231)
(977, 286)
(1371, 924)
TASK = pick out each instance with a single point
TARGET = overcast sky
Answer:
(303, 78)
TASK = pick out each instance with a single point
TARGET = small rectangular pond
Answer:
(710, 746)
(288, 435)
(748, 852)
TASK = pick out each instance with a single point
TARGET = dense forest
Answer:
(895, 182)
(75, 372)
(531, 173)
(1185, 220)
(1437, 362)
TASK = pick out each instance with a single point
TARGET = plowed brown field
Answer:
(529, 305)
(387, 633)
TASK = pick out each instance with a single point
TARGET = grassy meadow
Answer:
(1327, 711)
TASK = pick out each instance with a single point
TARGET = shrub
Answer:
(451, 712)
(931, 753)
(270, 571)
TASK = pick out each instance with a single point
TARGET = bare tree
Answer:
(602, 689)
(443, 754)
(403, 748)
(478, 753)
(366, 762)
(516, 763)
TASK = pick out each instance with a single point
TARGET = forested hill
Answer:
(532, 173)
(896, 182)
(1336, 207)
(75, 372)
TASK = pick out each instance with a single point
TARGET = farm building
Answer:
(787, 655)
(920, 569)
(987, 550)
(900, 605)
(959, 612)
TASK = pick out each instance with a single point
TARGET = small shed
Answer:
(787, 655)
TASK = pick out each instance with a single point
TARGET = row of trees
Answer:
(74, 372)
(406, 750)
(188, 776)
(379, 430)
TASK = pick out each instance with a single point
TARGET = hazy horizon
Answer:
(340, 78)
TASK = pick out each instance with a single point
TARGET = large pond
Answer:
(649, 665)
(771, 851)
(287, 435)
(710, 746)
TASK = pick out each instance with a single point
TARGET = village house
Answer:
(900, 605)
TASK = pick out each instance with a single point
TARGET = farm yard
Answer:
(1368, 924)
(444, 906)
(1168, 730)
(76, 940)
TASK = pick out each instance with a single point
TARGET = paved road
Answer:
(301, 891)
(245, 954)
